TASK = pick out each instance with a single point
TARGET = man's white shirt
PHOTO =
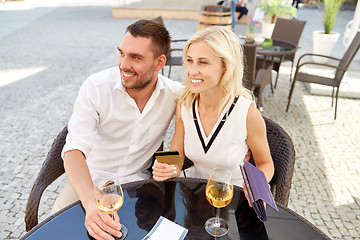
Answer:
(107, 126)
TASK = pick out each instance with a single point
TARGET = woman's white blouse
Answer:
(229, 147)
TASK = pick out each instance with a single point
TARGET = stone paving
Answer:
(46, 53)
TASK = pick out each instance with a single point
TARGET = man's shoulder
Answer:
(106, 76)
(171, 85)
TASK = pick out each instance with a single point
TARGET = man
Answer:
(120, 118)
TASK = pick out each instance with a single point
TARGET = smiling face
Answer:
(137, 63)
(203, 68)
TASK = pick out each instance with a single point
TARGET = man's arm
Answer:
(98, 224)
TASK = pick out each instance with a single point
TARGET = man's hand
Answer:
(100, 225)
(163, 171)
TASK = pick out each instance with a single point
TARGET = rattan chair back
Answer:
(52, 168)
(283, 155)
(281, 32)
(348, 57)
(249, 65)
(288, 30)
(335, 81)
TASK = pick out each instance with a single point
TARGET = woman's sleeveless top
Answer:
(226, 145)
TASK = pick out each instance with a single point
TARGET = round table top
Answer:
(183, 201)
(279, 48)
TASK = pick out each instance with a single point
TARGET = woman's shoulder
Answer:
(243, 98)
(184, 112)
(244, 103)
(173, 86)
(254, 118)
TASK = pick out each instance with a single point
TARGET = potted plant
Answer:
(325, 40)
(274, 8)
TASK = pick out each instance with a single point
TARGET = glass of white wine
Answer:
(109, 198)
(219, 192)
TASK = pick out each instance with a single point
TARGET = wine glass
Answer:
(219, 192)
(109, 198)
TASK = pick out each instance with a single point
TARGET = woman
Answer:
(216, 119)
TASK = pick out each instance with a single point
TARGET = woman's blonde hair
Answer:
(225, 45)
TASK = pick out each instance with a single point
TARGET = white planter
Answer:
(324, 44)
(267, 29)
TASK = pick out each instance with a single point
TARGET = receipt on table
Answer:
(164, 229)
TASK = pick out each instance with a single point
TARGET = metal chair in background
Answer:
(249, 65)
(254, 80)
(288, 30)
(174, 57)
(334, 82)
(281, 32)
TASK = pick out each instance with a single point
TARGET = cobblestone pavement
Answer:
(50, 50)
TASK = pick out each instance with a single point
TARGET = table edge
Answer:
(48, 219)
(127, 185)
(304, 220)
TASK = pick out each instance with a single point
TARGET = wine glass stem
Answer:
(217, 222)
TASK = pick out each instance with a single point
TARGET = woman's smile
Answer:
(196, 82)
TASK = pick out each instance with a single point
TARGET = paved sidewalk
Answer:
(47, 48)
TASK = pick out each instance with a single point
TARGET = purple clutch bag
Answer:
(258, 190)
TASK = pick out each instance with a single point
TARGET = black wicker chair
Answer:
(52, 168)
(283, 154)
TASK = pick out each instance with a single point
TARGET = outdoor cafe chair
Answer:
(174, 57)
(283, 154)
(51, 169)
(288, 30)
(281, 32)
(249, 51)
(254, 80)
(334, 81)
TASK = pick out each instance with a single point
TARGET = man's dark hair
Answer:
(155, 31)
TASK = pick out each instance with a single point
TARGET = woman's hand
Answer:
(247, 156)
(163, 171)
(246, 194)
